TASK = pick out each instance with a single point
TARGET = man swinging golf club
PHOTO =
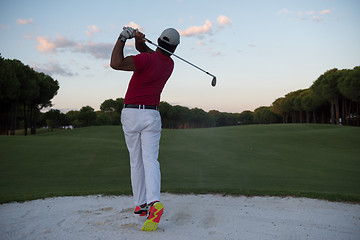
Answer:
(140, 117)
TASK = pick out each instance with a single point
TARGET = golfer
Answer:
(140, 116)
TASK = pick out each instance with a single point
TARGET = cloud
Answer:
(92, 30)
(97, 50)
(46, 45)
(284, 11)
(53, 69)
(206, 28)
(24, 21)
(196, 30)
(223, 20)
(317, 19)
(310, 13)
(3, 26)
(304, 15)
(326, 11)
(135, 26)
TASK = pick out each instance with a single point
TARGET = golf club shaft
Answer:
(178, 57)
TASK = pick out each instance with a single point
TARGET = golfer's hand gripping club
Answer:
(127, 33)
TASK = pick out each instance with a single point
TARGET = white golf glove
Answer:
(127, 33)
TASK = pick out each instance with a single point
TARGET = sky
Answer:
(259, 50)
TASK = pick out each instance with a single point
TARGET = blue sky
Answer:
(259, 50)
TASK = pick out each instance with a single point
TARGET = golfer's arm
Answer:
(142, 47)
(118, 62)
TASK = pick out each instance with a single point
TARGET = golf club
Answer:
(213, 82)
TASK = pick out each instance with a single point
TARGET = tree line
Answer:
(23, 93)
(333, 98)
(173, 117)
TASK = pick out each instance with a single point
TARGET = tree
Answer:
(29, 91)
(109, 107)
(199, 118)
(23, 92)
(86, 116)
(54, 118)
(218, 117)
(349, 87)
(298, 96)
(48, 88)
(119, 103)
(165, 112)
(326, 88)
(308, 104)
(264, 115)
(278, 107)
(71, 117)
(223, 119)
(9, 93)
(288, 105)
(246, 117)
(180, 116)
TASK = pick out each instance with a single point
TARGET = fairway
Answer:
(318, 161)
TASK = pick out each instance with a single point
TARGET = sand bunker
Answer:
(185, 217)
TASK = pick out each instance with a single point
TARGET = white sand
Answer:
(185, 217)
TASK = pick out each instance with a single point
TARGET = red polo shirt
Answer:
(146, 84)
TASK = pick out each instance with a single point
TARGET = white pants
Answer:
(142, 130)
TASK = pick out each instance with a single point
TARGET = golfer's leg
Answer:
(133, 142)
(150, 139)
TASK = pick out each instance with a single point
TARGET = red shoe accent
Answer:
(158, 216)
(140, 211)
(154, 213)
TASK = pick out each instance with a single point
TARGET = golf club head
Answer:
(213, 82)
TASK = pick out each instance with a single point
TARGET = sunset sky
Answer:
(259, 50)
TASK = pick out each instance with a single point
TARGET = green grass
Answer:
(317, 161)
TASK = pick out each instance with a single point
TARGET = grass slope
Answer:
(319, 161)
